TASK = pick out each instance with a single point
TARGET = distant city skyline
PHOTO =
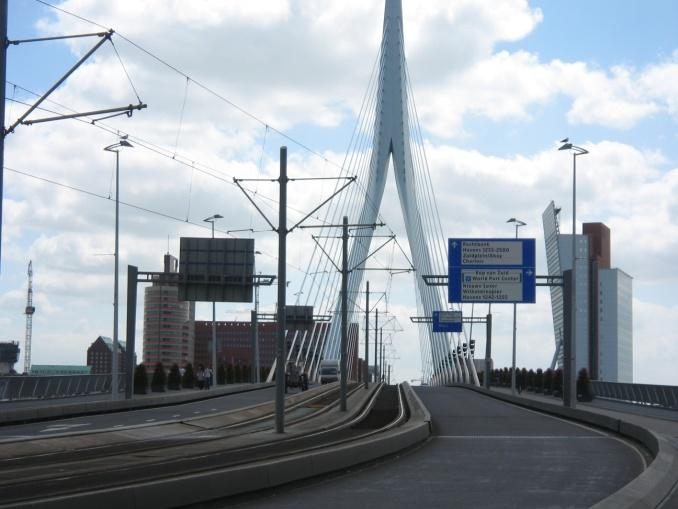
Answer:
(495, 89)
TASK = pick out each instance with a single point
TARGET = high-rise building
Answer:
(615, 326)
(604, 314)
(168, 322)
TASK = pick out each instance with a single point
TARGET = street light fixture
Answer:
(571, 383)
(212, 220)
(518, 223)
(115, 147)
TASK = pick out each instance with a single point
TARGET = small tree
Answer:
(229, 374)
(530, 380)
(159, 378)
(188, 380)
(237, 374)
(247, 373)
(558, 383)
(548, 381)
(174, 378)
(539, 381)
(140, 379)
(584, 392)
(221, 374)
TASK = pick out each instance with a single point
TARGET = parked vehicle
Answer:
(329, 371)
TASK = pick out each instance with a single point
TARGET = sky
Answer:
(496, 83)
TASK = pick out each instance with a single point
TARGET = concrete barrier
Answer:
(190, 489)
(652, 487)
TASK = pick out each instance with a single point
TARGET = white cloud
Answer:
(300, 64)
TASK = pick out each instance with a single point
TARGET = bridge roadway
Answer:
(138, 417)
(482, 453)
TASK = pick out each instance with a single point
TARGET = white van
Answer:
(329, 371)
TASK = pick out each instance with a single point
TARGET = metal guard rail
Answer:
(662, 396)
(17, 388)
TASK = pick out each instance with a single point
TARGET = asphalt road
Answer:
(135, 417)
(483, 453)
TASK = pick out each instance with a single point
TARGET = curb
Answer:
(211, 485)
(37, 414)
(652, 487)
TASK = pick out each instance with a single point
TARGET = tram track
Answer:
(66, 474)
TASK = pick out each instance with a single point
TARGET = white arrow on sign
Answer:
(454, 244)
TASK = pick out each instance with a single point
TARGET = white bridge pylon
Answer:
(392, 140)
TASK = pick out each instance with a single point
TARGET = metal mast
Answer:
(30, 309)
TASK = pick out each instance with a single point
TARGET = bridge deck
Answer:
(483, 453)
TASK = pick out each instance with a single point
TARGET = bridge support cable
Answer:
(393, 132)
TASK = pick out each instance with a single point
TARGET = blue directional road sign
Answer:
(492, 270)
(447, 321)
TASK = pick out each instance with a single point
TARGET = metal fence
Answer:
(663, 396)
(17, 388)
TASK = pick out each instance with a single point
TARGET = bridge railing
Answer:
(18, 388)
(663, 396)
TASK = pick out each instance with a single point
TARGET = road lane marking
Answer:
(176, 415)
(518, 437)
(53, 428)
(150, 420)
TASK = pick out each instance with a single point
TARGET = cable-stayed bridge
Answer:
(387, 135)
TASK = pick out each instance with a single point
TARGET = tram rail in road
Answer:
(100, 466)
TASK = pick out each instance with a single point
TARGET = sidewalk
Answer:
(659, 420)
(43, 409)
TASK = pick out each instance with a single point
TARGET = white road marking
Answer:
(176, 415)
(197, 412)
(519, 437)
(150, 420)
(213, 409)
(62, 427)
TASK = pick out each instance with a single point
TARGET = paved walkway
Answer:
(662, 421)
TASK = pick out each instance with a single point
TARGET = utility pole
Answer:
(3, 77)
(376, 346)
(256, 378)
(344, 311)
(282, 286)
(382, 348)
(367, 335)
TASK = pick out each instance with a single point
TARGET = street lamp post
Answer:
(518, 223)
(570, 375)
(114, 358)
(212, 220)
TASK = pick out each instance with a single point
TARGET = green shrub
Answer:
(159, 378)
(237, 373)
(539, 381)
(140, 379)
(188, 379)
(584, 392)
(221, 374)
(548, 382)
(174, 378)
(230, 374)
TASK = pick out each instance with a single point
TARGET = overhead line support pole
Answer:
(344, 312)
(3, 77)
(367, 336)
(282, 286)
